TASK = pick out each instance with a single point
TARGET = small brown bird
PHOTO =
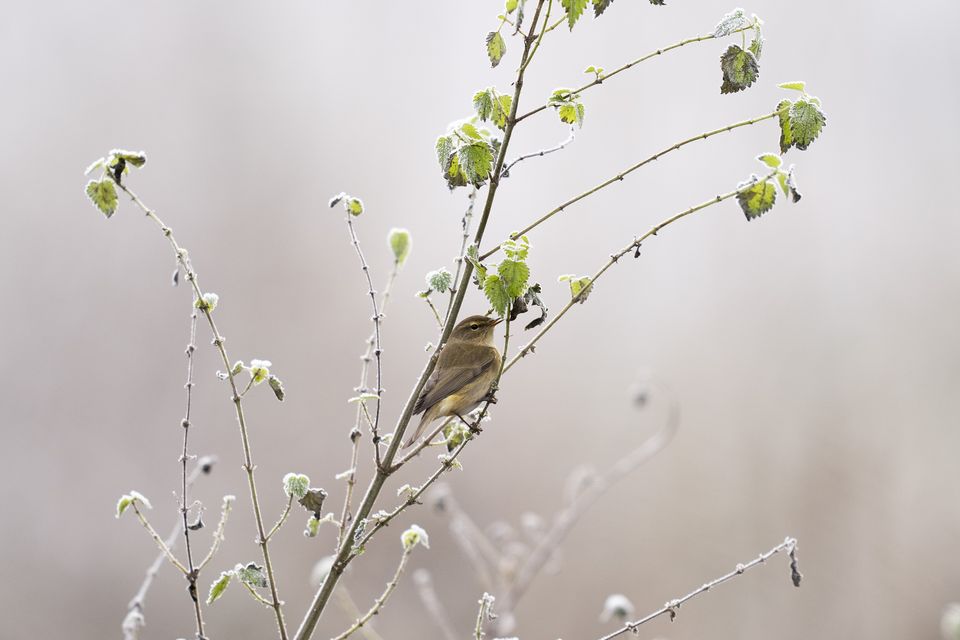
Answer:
(467, 367)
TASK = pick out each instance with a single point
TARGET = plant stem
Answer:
(355, 433)
(541, 153)
(193, 572)
(486, 604)
(643, 58)
(218, 533)
(218, 341)
(436, 314)
(789, 545)
(309, 623)
(156, 538)
(379, 602)
(283, 518)
(620, 176)
(465, 226)
(635, 244)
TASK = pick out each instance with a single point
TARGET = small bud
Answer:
(616, 607)
(237, 367)
(260, 370)
(400, 242)
(296, 485)
(277, 387)
(413, 536)
(207, 302)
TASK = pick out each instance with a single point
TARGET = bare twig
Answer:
(789, 545)
(483, 614)
(539, 154)
(428, 595)
(380, 601)
(603, 78)
(161, 543)
(282, 519)
(349, 606)
(218, 342)
(620, 176)
(218, 533)
(465, 227)
(355, 433)
(134, 620)
(634, 245)
(433, 308)
(344, 553)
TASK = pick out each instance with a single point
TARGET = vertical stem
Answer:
(343, 556)
(184, 486)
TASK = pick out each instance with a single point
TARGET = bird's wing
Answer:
(457, 378)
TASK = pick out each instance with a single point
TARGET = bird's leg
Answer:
(474, 427)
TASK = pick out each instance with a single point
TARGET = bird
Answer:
(467, 367)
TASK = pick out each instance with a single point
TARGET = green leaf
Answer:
(788, 185)
(516, 249)
(103, 195)
(797, 85)
(96, 164)
(454, 433)
(439, 280)
(354, 206)
(251, 574)
(571, 113)
(399, 241)
(492, 106)
(510, 6)
(772, 160)
(136, 158)
(219, 586)
(496, 47)
(730, 23)
(445, 149)
(413, 536)
(260, 370)
(758, 198)
(496, 293)
(574, 9)
(122, 504)
(740, 69)
(295, 485)
(756, 45)
(277, 387)
(476, 162)
(786, 130)
(806, 122)
(579, 286)
(207, 302)
(513, 277)
(599, 6)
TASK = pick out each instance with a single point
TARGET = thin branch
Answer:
(343, 556)
(218, 341)
(134, 620)
(161, 543)
(380, 601)
(541, 153)
(789, 545)
(347, 603)
(426, 442)
(431, 602)
(465, 226)
(218, 533)
(653, 54)
(635, 245)
(536, 45)
(620, 176)
(485, 613)
(193, 572)
(376, 334)
(355, 433)
(433, 308)
(283, 518)
(566, 519)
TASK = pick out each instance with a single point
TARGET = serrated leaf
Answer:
(772, 160)
(445, 148)
(786, 131)
(730, 23)
(439, 280)
(496, 293)
(103, 195)
(599, 6)
(513, 276)
(579, 286)
(251, 574)
(219, 586)
(516, 249)
(496, 47)
(571, 113)
(295, 485)
(806, 122)
(757, 199)
(788, 185)
(136, 158)
(399, 241)
(756, 45)
(574, 9)
(740, 69)
(797, 85)
(476, 162)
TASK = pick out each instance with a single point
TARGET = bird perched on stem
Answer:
(468, 365)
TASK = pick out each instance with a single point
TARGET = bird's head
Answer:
(476, 329)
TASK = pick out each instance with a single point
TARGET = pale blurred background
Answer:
(814, 351)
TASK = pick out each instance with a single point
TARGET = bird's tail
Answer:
(427, 417)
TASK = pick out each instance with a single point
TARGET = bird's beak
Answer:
(497, 321)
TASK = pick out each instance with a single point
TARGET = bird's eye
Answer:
(474, 326)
